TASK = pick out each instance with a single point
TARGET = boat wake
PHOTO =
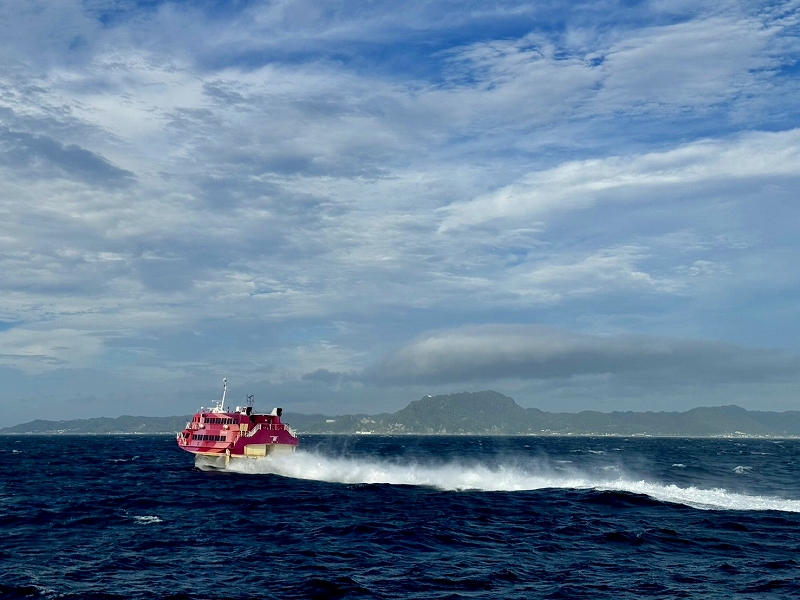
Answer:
(512, 477)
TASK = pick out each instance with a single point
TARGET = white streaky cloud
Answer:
(607, 270)
(125, 98)
(581, 184)
(36, 351)
(512, 84)
(687, 64)
(619, 269)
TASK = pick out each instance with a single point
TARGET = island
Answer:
(474, 413)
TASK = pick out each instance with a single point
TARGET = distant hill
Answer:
(124, 424)
(480, 413)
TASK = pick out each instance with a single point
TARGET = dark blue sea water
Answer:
(102, 517)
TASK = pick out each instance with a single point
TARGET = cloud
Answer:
(577, 185)
(35, 351)
(197, 188)
(607, 270)
(690, 64)
(527, 352)
(322, 376)
(40, 155)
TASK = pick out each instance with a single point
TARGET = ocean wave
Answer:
(145, 519)
(500, 478)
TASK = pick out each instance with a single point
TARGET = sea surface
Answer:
(101, 517)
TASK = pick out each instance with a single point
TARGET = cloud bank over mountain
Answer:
(347, 206)
(488, 353)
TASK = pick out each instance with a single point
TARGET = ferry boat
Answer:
(217, 435)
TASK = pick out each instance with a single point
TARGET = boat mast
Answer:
(219, 408)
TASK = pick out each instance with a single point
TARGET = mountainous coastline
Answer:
(479, 413)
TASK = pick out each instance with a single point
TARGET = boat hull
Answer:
(208, 462)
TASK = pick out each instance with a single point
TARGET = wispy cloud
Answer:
(581, 184)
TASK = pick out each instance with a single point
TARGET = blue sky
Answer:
(342, 207)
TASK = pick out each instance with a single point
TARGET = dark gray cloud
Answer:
(528, 352)
(42, 154)
(322, 376)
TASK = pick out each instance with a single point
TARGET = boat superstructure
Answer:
(217, 435)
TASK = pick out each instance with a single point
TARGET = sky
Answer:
(345, 206)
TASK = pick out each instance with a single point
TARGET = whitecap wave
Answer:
(511, 477)
(147, 519)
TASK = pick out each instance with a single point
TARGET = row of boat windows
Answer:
(210, 438)
(217, 421)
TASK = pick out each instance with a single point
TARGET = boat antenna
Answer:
(221, 403)
(250, 400)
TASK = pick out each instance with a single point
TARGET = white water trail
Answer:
(510, 477)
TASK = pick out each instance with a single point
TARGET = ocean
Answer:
(117, 517)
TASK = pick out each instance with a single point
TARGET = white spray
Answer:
(511, 477)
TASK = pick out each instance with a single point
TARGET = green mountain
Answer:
(480, 413)
(124, 424)
(485, 412)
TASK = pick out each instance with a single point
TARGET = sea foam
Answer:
(511, 477)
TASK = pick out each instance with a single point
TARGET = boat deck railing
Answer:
(267, 427)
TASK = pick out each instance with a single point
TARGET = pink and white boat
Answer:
(216, 436)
